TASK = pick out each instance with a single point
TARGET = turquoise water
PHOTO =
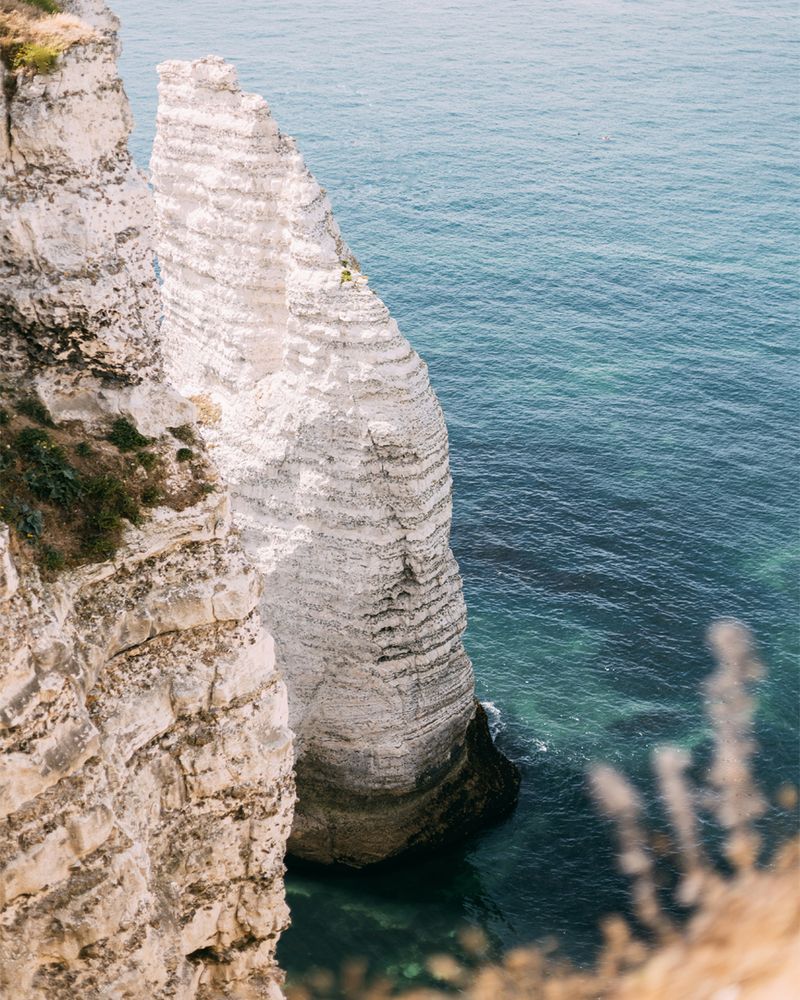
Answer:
(610, 324)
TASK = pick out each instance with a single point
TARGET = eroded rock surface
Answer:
(321, 417)
(77, 280)
(145, 757)
(146, 772)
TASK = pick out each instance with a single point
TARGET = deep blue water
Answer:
(610, 324)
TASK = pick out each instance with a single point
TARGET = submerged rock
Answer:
(321, 417)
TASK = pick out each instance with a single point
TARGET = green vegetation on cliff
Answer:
(34, 33)
(68, 492)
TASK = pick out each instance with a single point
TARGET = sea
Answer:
(584, 216)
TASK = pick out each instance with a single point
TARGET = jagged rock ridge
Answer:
(321, 417)
(145, 779)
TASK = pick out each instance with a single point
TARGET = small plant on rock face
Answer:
(146, 459)
(184, 454)
(3, 417)
(184, 433)
(35, 57)
(28, 521)
(107, 502)
(52, 559)
(55, 482)
(30, 441)
(125, 436)
(151, 496)
(84, 449)
(50, 477)
(36, 410)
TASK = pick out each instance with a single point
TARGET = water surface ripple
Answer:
(584, 216)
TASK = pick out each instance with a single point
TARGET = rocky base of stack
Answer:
(478, 787)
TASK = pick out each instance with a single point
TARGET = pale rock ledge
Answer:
(322, 419)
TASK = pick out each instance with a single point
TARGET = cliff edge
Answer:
(146, 789)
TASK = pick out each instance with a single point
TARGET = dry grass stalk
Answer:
(670, 765)
(736, 800)
(32, 39)
(619, 800)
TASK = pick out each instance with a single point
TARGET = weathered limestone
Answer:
(145, 756)
(145, 779)
(9, 580)
(321, 417)
(77, 281)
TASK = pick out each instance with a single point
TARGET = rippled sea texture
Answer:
(583, 215)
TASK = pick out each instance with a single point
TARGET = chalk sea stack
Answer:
(150, 611)
(321, 417)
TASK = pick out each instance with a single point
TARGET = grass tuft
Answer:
(184, 433)
(48, 6)
(52, 559)
(151, 496)
(125, 436)
(34, 408)
(107, 502)
(30, 441)
(34, 33)
(35, 56)
(184, 454)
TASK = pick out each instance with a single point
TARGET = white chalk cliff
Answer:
(77, 279)
(146, 790)
(321, 417)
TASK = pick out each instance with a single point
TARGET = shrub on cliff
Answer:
(49, 475)
(38, 58)
(34, 33)
(107, 501)
(69, 500)
(125, 436)
(33, 407)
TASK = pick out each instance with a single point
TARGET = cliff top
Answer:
(33, 33)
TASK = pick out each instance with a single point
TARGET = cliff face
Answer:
(321, 417)
(146, 771)
(77, 281)
(145, 777)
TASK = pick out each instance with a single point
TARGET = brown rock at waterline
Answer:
(478, 787)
